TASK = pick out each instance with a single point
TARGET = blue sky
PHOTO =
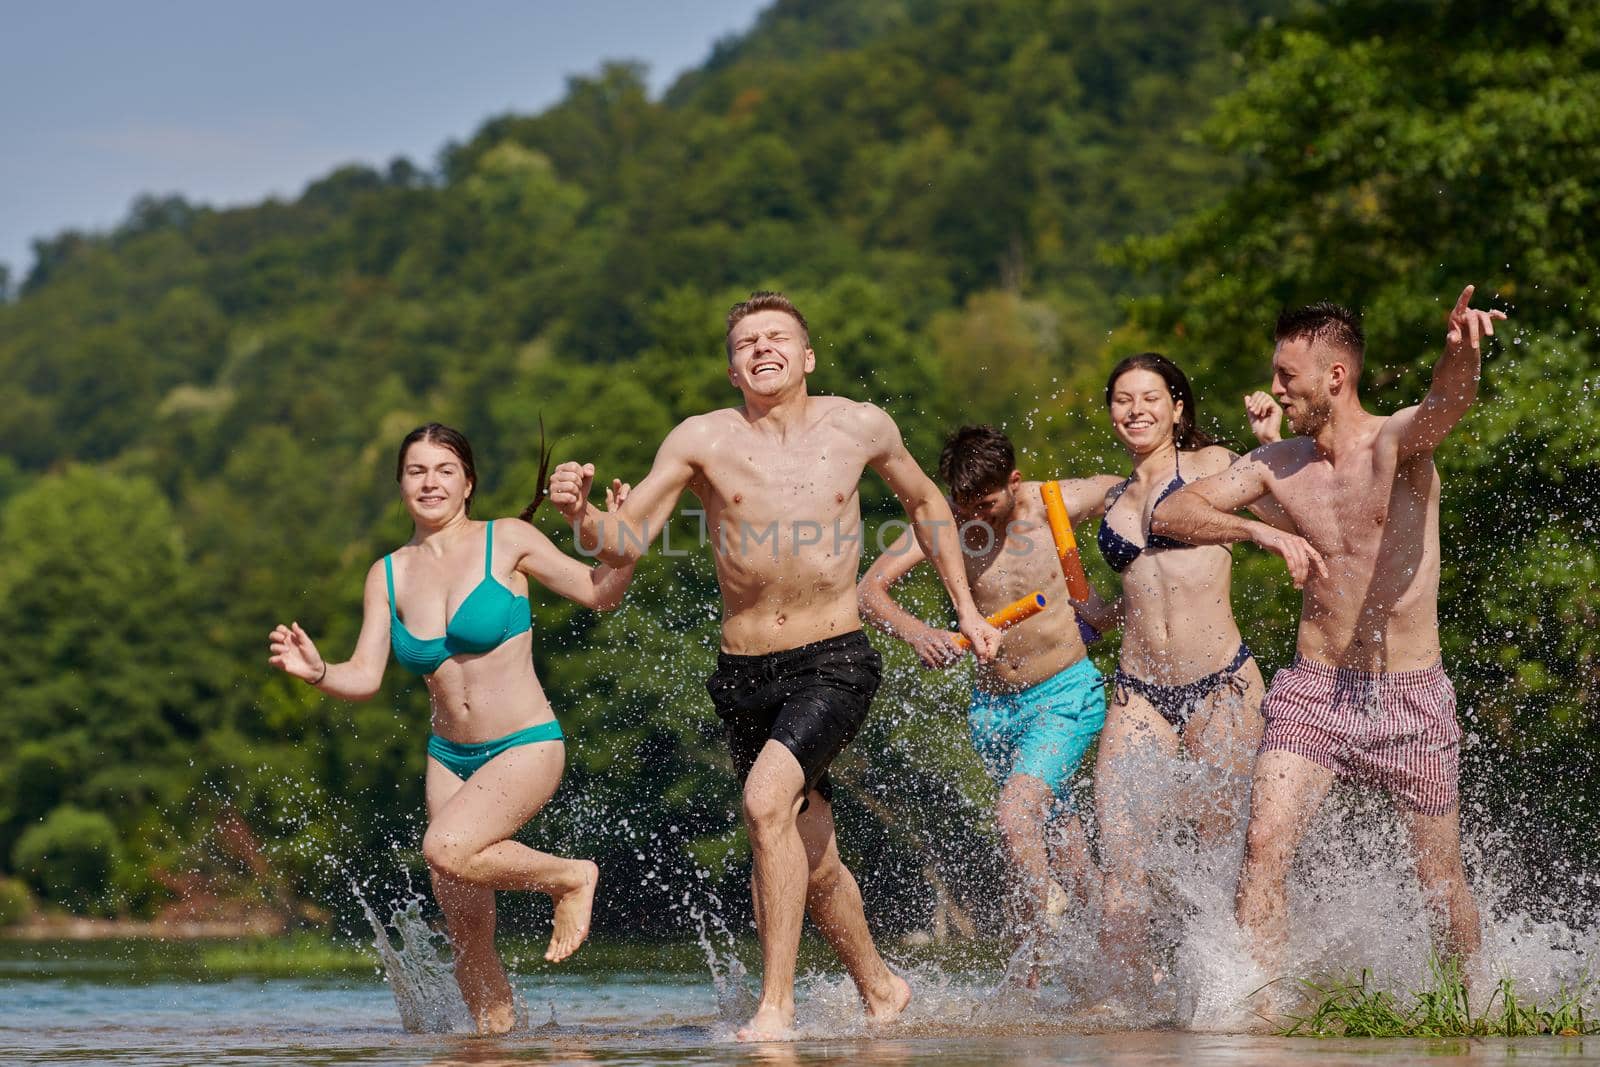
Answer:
(228, 103)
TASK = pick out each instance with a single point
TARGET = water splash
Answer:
(419, 970)
(1355, 904)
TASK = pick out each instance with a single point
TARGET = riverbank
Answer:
(78, 928)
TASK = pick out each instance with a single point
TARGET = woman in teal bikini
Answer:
(495, 756)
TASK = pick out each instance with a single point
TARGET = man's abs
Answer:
(1375, 628)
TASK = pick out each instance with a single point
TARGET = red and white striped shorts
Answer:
(1396, 731)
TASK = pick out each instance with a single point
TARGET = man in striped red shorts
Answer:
(1367, 696)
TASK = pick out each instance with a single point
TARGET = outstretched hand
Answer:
(1266, 417)
(1466, 325)
(294, 653)
(569, 488)
(1297, 553)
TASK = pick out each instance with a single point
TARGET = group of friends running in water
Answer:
(1350, 503)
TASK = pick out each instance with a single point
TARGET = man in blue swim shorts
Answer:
(1038, 706)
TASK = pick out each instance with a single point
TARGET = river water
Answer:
(77, 1004)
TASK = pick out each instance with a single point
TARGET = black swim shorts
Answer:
(812, 700)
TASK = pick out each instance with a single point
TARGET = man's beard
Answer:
(1311, 415)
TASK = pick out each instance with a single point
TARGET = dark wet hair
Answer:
(976, 460)
(439, 434)
(1327, 323)
(544, 477)
(1187, 436)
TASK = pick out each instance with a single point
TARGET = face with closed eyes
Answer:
(769, 354)
(1143, 414)
(433, 483)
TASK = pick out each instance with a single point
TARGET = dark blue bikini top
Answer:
(1119, 552)
(490, 616)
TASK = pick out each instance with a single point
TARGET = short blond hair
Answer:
(765, 300)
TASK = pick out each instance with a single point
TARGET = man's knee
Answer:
(1442, 874)
(767, 811)
(1024, 799)
(1269, 849)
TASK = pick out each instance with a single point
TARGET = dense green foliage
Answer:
(964, 195)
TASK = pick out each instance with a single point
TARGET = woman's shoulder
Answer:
(512, 527)
(1207, 460)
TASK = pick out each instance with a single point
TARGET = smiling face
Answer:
(433, 483)
(1143, 414)
(769, 355)
(1303, 381)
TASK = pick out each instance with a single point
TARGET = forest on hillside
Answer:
(980, 205)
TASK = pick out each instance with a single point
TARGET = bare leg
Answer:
(1021, 813)
(469, 917)
(1224, 734)
(1135, 741)
(1286, 793)
(778, 883)
(1436, 845)
(471, 822)
(1069, 859)
(834, 902)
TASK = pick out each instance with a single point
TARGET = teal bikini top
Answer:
(490, 616)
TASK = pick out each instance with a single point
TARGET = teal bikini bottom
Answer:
(463, 760)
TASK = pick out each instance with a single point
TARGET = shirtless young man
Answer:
(1367, 696)
(779, 478)
(1040, 704)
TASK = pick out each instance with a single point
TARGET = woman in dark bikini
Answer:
(1185, 680)
(496, 755)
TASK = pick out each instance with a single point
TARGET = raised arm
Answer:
(1421, 429)
(934, 647)
(358, 677)
(1086, 497)
(1204, 513)
(931, 522)
(596, 588)
(621, 537)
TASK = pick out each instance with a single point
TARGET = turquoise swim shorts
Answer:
(1042, 731)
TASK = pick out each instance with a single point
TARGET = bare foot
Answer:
(498, 1019)
(767, 1024)
(887, 1009)
(572, 915)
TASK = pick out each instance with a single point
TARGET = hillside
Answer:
(979, 203)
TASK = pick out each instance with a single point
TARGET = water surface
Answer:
(94, 1004)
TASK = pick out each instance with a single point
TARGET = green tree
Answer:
(70, 857)
(1385, 171)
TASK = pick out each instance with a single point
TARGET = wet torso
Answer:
(1002, 568)
(473, 696)
(783, 515)
(1178, 620)
(1374, 518)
